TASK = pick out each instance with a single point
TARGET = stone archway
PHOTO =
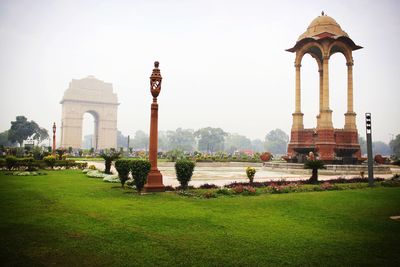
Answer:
(89, 95)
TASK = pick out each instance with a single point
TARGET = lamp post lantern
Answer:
(154, 179)
(54, 140)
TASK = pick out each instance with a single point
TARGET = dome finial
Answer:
(323, 13)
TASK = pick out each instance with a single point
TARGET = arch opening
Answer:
(338, 88)
(90, 130)
(309, 90)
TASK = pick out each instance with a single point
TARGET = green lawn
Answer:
(67, 219)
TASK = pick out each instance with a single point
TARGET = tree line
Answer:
(206, 139)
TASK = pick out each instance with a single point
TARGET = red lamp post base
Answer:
(154, 182)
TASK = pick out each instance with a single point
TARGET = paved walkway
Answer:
(221, 175)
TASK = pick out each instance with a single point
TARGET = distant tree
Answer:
(363, 145)
(235, 142)
(181, 139)
(381, 148)
(210, 139)
(257, 145)
(122, 140)
(21, 129)
(395, 145)
(140, 140)
(276, 141)
(4, 139)
(163, 144)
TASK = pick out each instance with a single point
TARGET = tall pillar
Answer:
(350, 115)
(297, 115)
(321, 93)
(326, 113)
(154, 179)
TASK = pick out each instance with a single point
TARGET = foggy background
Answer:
(223, 63)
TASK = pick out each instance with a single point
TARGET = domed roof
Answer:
(323, 24)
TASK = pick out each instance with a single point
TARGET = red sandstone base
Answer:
(154, 182)
(331, 145)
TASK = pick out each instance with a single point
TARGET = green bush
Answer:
(314, 165)
(109, 156)
(224, 191)
(209, 194)
(250, 172)
(140, 168)
(50, 161)
(123, 168)
(11, 162)
(184, 171)
(28, 163)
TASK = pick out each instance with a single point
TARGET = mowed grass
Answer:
(67, 219)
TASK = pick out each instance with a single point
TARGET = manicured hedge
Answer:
(123, 167)
(184, 171)
(140, 168)
(13, 163)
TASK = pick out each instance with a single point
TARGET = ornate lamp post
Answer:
(154, 179)
(54, 140)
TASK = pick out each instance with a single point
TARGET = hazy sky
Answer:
(223, 63)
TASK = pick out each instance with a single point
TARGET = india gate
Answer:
(93, 96)
(323, 38)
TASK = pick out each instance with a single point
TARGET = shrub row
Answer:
(139, 168)
(246, 190)
(284, 182)
(13, 163)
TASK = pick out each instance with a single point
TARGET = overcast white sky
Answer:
(223, 63)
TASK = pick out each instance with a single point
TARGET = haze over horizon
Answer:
(223, 63)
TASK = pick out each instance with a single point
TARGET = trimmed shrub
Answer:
(250, 172)
(50, 161)
(184, 171)
(123, 168)
(140, 168)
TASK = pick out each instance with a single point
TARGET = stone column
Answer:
(298, 90)
(326, 113)
(297, 115)
(350, 116)
(321, 93)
